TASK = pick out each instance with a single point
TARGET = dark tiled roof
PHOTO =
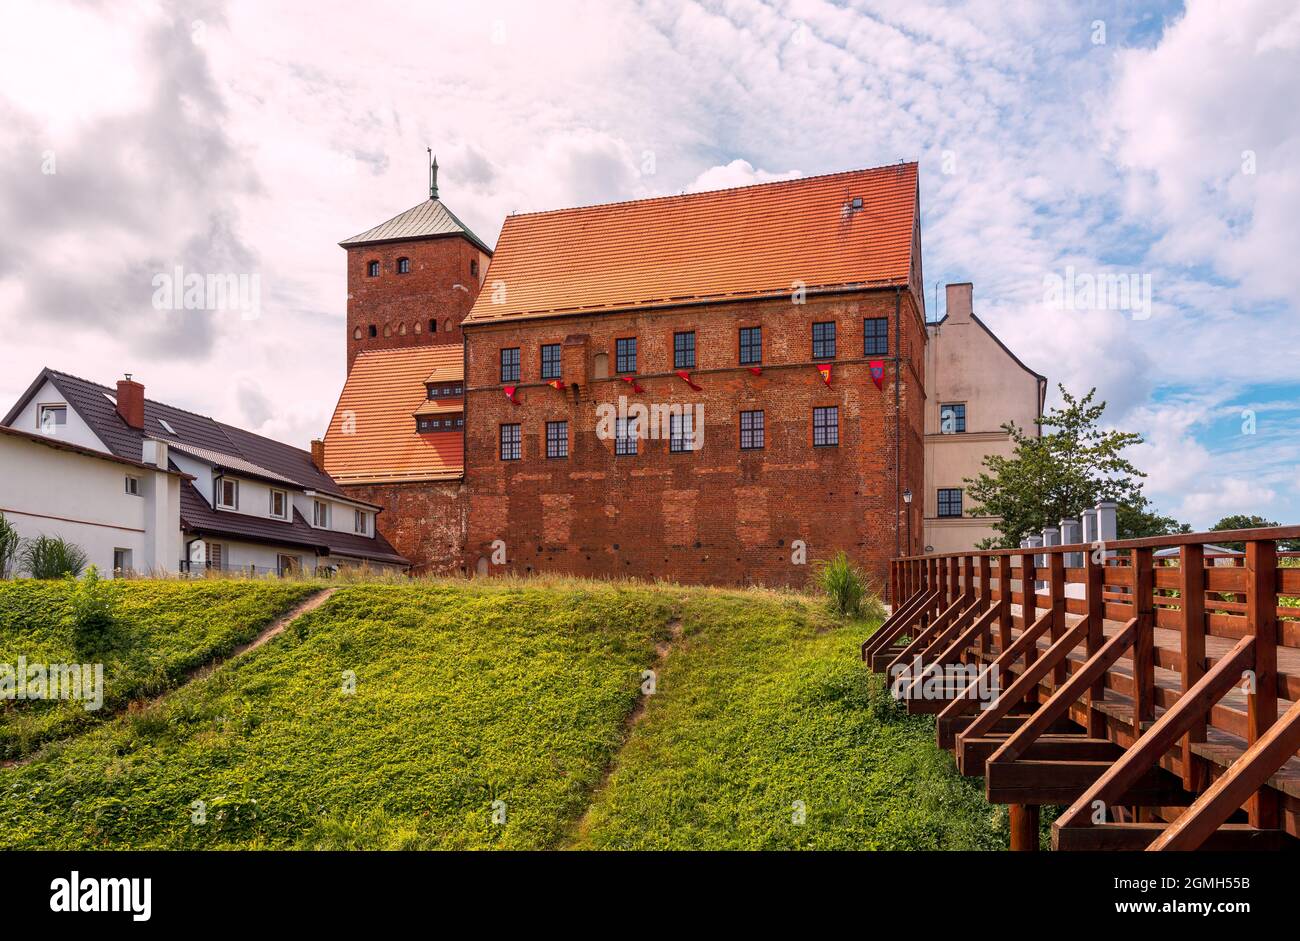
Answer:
(201, 519)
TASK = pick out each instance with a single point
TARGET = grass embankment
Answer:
(468, 694)
(162, 631)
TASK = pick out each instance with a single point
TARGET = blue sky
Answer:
(1150, 141)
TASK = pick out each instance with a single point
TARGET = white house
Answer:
(187, 492)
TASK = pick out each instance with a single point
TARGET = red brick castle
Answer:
(719, 387)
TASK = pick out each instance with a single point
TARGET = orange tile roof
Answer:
(439, 408)
(750, 241)
(383, 390)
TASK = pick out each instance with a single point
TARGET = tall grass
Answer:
(52, 557)
(847, 588)
(9, 544)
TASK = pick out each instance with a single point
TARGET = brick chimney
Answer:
(130, 402)
(959, 302)
(318, 454)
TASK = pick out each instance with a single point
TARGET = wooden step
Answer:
(948, 727)
(1063, 782)
(976, 751)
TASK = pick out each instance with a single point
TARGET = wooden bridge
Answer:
(1156, 695)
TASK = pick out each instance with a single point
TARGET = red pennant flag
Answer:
(636, 386)
(825, 370)
(510, 394)
(556, 384)
(877, 367)
(756, 370)
(685, 377)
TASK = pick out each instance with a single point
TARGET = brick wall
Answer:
(425, 521)
(440, 287)
(717, 515)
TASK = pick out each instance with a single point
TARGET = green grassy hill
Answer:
(511, 715)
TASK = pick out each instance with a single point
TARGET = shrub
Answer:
(9, 543)
(52, 557)
(91, 616)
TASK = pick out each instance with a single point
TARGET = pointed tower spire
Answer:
(433, 174)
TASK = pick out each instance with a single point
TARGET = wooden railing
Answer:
(1131, 684)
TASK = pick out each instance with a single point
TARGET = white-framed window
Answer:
(360, 522)
(320, 514)
(227, 493)
(121, 561)
(50, 417)
(132, 485)
(279, 504)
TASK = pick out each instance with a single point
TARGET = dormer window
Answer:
(372, 269)
(50, 417)
(227, 493)
(320, 514)
(359, 522)
(403, 266)
(279, 505)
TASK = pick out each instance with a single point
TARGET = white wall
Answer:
(76, 431)
(47, 491)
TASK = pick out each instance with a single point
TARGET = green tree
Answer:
(1069, 466)
(1242, 521)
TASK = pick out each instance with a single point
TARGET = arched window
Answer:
(433, 326)
(372, 269)
(403, 266)
(402, 329)
(415, 328)
(356, 334)
(373, 331)
(446, 325)
(388, 331)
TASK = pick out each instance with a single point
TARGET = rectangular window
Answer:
(751, 346)
(228, 494)
(751, 431)
(510, 364)
(320, 514)
(359, 522)
(557, 439)
(551, 361)
(875, 336)
(511, 442)
(625, 435)
(952, 418)
(279, 504)
(121, 561)
(50, 416)
(214, 555)
(684, 350)
(826, 427)
(823, 340)
(950, 501)
(132, 485)
(681, 431)
(625, 354)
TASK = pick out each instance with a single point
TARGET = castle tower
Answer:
(414, 278)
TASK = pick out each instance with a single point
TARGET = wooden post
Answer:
(1004, 602)
(1095, 573)
(1024, 828)
(1261, 705)
(1191, 591)
(1144, 660)
(1029, 610)
(1056, 589)
(942, 580)
(986, 601)
(954, 579)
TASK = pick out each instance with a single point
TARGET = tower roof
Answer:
(430, 219)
